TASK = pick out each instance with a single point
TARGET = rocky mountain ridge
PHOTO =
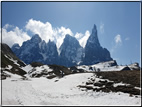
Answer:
(12, 65)
(70, 52)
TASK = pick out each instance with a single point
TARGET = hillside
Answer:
(10, 62)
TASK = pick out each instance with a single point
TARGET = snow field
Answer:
(63, 91)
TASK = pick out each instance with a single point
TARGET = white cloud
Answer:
(46, 31)
(102, 27)
(127, 38)
(64, 31)
(7, 26)
(118, 39)
(118, 43)
(14, 36)
(78, 35)
(59, 35)
(82, 38)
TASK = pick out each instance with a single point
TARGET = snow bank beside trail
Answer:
(60, 91)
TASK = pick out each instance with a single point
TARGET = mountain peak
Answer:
(67, 36)
(15, 45)
(98, 54)
(51, 43)
(15, 48)
(93, 39)
(95, 27)
(36, 38)
(94, 30)
(69, 53)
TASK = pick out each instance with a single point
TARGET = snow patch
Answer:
(14, 61)
(9, 67)
(40, 45)
(27, 68)
(39, 70)
(139, 88)
(120, 84)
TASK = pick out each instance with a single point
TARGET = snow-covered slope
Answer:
(63, 91)
(11, 64)
(43, 71)
(105, 66)
(12, 77)
(134, 66)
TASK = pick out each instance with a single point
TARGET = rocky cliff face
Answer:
(30, 51)
(51, 55)
(37, 50)
(71, 53)
(94, 52)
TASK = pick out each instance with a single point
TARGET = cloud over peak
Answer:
(82, 38)
(14, 36)
(45, 31)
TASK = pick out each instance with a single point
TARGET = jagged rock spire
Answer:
(94, 53)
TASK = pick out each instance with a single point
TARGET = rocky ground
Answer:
(115, 81)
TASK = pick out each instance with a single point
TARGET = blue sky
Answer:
(118, 23)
